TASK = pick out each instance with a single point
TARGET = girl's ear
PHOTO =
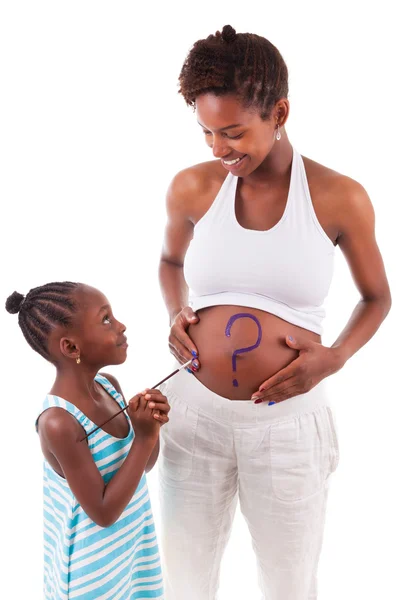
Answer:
(69, 348)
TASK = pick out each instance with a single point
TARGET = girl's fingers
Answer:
(157, 398)
(161, 418)
(155, 392)
(134, 403)
(160, 406)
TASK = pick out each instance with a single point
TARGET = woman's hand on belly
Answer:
(314, 363)
(240, 348)
(180, 344)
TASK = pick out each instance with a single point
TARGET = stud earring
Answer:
(278, 133)
(78, 360)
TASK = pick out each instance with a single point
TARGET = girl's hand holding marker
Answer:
(156, 403)
(148, 411)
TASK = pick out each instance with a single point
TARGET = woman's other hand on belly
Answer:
(314, 363)
(180, 344)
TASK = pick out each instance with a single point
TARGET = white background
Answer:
(92, 131)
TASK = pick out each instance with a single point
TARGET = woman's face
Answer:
(237, 135)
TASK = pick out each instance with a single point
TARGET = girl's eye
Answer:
(106, 320)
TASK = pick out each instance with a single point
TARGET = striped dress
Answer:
(83, 561)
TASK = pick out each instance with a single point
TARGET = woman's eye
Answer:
(235, 137)
(106, 319)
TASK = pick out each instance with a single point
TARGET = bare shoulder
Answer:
(114, 381)
(195, 187)
(57, 425)
(337, 198)
(198, 178)
(332, 183)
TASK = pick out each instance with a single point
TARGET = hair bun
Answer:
(14, 302)
(228, 34)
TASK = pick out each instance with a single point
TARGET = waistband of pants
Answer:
(188, 389)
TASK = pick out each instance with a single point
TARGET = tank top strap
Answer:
(298, 203)
(57, 402)
(108, 386)
(220, 209)
(303, 217)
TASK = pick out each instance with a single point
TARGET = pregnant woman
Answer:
(253, 236)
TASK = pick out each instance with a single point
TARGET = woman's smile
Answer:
(234, 164)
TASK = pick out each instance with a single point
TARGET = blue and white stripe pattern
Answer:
(83, 561)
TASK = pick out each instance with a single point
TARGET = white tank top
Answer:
(285, 270)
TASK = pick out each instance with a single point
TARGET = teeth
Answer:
(232, 162)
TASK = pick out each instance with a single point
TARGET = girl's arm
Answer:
(61, 435)
(154, 455)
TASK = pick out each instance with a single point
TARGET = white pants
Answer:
(275, 459)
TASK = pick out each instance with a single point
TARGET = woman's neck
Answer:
(276, 165)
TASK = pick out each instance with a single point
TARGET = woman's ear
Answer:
(69, 348)
(282, 109)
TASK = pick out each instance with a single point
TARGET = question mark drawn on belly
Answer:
(242, 350)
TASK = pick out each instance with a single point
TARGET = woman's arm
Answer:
(358, 244)
(178, 233)
(177, 236)
(356, 238)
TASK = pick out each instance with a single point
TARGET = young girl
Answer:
(99, 536)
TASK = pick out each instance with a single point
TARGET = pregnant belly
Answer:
(241, 347)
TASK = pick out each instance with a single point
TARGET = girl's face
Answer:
(237, 135)
(98, 335)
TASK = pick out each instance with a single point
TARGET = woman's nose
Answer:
(219, 149)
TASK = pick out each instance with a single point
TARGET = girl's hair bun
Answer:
(14, 302)
(228, 34)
